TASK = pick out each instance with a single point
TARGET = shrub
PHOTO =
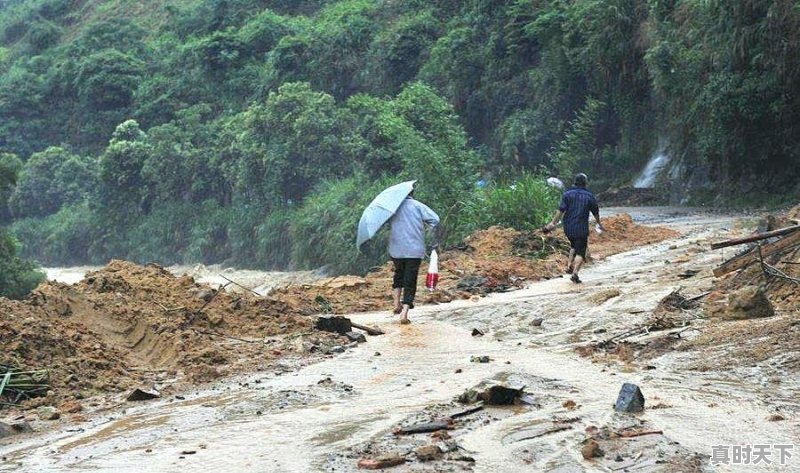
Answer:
(324, 228)
(525, 203)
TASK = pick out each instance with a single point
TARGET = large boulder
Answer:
(335, 324)
(630, 399)
(748, 303)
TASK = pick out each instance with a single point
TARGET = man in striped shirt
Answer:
(576, 204)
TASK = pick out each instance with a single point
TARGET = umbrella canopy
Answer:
(381, 209)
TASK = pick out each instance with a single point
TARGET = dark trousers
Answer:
(406, 271)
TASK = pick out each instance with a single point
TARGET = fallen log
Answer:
(752, 238)
(638, 433)
(466, 412)
(746, 259)
(368, 329)
(425, 427)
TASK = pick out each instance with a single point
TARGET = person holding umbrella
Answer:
(407, 218)
(407, 248)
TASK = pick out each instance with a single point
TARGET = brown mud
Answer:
(637, 318)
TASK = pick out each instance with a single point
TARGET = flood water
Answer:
(290, 421)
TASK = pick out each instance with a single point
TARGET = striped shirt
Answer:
(576, 203)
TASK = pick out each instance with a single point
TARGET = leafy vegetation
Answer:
(252, 131)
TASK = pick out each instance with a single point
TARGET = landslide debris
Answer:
(492, 260)
(127, 325)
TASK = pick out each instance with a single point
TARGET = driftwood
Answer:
(466, 412)
(638, 433)
(752, 238)
(549, 431)
(369, 330)
(746, 259)
(426, 427)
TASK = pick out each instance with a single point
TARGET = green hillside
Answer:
(251, 132)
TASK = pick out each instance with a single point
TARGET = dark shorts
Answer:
(579, 245)
(406, 271)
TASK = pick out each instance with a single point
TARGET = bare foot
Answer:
(404, 321)
(397, 309)
(576, 279)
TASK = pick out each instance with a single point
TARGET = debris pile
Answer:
(753, 305)
(127, 325)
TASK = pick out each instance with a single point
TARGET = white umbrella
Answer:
(381, 209)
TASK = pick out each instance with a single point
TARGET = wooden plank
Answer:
(745, 260)
(752, 238)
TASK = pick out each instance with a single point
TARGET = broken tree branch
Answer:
(752, 238)
(750, 257)
(230, 281)
(638, 433)
(369, 330)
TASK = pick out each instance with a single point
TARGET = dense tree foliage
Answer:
(17, 276)
(251, 131)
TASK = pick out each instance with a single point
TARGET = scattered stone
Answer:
(48, 413)
(569, 405)
(335, 324)
(619, 458)
(527, 399)
(497, 395)
(776, 418)
(472, 283)
(357, 337)
(377, 353)
(599, 330)
(140, 395)
(188, 452)
(592, 450)
(428, 453)
(383, 461)
(476, 333)
(459, 370)
(537, 322)
(480, 359)
(7, 430)
(149, 450)
(337, 349)
(630, 399)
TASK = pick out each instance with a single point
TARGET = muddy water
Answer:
(259, 281)
(304, 420)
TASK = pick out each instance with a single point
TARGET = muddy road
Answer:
(328, 415)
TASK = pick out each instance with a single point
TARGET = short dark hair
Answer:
(581, 180)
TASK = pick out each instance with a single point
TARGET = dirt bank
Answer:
(128, 326)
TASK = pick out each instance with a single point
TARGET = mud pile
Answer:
(622, 234)
(756, 338)
(127, 325)
(492, 260)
